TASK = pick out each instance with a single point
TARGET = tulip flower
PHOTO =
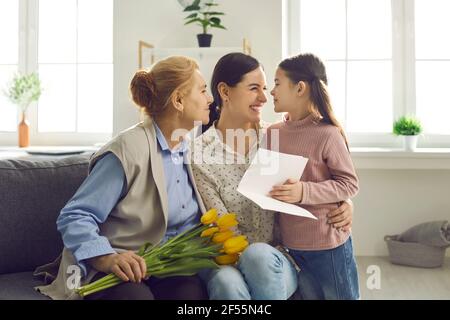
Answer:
(209, 217)
(186, 254)
(227, 259)
(209, 232)
(235, 244)
(221, 237)
(227, 221)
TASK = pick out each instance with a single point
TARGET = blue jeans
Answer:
(327, 274)
(262, 273)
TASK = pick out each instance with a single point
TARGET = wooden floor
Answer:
(400, 282)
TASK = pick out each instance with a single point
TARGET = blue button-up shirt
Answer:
(183, 206)
(106, 185)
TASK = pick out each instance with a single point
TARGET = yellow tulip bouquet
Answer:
(208, 245)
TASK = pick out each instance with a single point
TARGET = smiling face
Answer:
(196, 102)
(245, 100)
(285, 93)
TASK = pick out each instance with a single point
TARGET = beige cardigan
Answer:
(140, 217)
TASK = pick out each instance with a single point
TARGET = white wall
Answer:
(161, 23)
(389, 202)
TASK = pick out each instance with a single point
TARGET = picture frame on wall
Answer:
(145, 55)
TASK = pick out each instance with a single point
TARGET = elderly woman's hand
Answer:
(128, 266)
(342, 217)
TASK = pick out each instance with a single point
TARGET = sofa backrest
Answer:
(32, 193)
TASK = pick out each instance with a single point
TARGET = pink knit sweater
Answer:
(328, 179)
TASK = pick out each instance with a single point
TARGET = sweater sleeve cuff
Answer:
(90, 249)
(306, 193)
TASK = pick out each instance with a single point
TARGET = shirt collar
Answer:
(181, 148)
(211, 137)
(311, 118)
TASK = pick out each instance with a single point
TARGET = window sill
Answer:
(388, 158)
(7, 152)
(363, 158)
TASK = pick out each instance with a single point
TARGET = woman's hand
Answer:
(342, 217)
(128, 266)
(291, 191)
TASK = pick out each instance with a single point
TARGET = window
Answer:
(433, 64)
(70, 44)
(9, 60)
(384, 59)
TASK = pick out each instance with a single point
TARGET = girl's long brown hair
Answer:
(309, 68)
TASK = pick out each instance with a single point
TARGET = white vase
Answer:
(410, 142)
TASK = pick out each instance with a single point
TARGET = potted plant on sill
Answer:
(409, 128)
(22, 91)
(204, 16)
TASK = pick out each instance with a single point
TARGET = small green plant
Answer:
(204, 16)
(407, 126)
(23, 90)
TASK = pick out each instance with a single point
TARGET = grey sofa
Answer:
(32, 193)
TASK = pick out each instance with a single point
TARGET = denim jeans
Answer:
(327, 274)
(262, 273)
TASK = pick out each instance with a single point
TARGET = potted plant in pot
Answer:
(206, 17)
(409, 128)
(23, 90)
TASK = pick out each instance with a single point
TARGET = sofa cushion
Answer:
(20, 286)
(32, 193)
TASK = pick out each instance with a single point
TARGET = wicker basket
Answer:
(414, 254)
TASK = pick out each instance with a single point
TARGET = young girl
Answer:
(310, 129)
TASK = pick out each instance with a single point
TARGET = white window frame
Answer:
(403, 75)
(28, 62)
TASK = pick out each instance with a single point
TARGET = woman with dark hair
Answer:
(137, 192)
(221, 155)
(229, 71)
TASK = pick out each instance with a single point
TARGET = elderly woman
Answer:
(124, 201)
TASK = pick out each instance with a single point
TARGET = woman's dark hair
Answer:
(309, 68)
(230, 69)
